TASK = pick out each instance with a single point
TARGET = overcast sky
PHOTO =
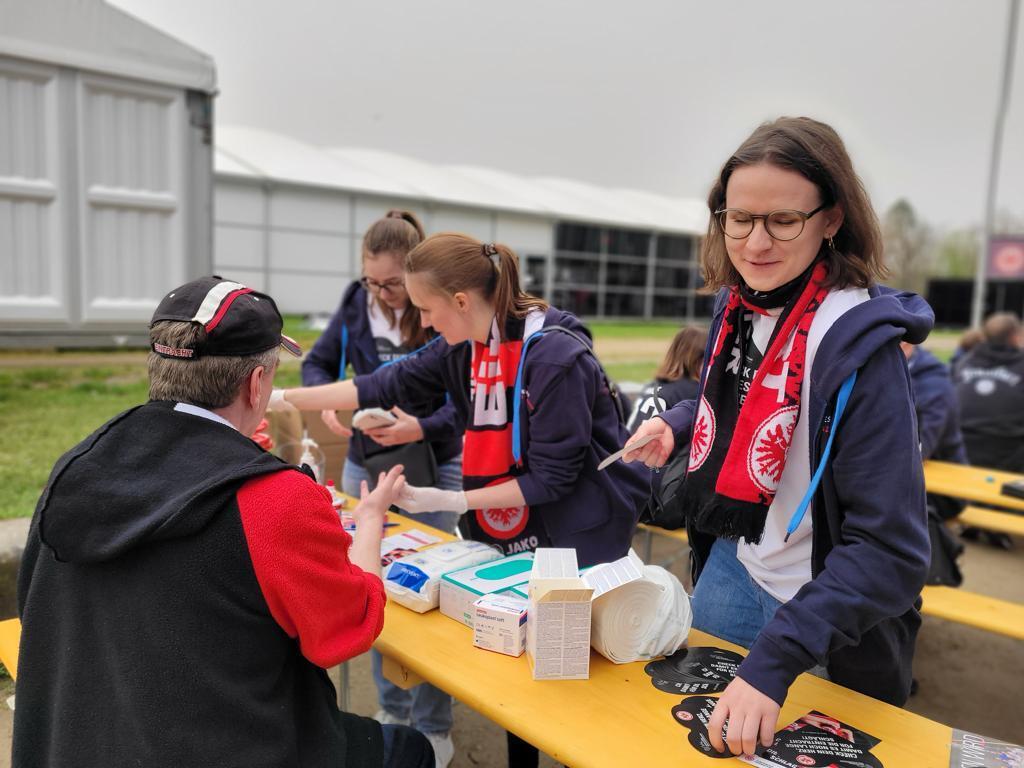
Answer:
(650, 94)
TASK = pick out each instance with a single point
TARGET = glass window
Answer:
(570, 269)
(535, 275)
(579, 301)
(671, 276)
(627, 242)
(578, 237)
(626, 273)
(623, 304)
(670, 306)
(674, 248)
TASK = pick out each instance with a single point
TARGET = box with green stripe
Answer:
(459, 589)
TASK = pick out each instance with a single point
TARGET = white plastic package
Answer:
(641, 619)
(415, 581)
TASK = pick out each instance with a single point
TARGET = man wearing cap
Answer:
(182, 591)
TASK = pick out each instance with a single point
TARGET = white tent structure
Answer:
(289, 219)
(105, 171)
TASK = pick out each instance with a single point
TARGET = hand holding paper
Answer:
(653, 452)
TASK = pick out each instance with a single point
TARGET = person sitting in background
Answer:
(990, 387)
(182, 591)
(970, 339)
(938, 426)
(676, 379)
(935, 401)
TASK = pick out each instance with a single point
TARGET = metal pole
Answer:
(993, 173)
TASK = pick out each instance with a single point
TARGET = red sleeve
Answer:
(300, 554)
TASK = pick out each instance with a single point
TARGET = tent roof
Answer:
(92, 35)
(250, 152)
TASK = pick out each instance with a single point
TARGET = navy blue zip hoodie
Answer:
(859, 613)
(442, 425)
(938, 413)
(569, 424)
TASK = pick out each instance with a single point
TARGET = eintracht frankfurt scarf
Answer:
(738, 453)
(487, 452)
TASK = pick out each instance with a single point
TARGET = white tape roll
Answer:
(644, 619)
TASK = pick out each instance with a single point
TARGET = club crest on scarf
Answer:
(487, 451)
(740, 437)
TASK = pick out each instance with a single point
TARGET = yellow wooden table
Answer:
(971, 483)
(616, 718)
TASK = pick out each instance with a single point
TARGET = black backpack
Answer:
(663, 508)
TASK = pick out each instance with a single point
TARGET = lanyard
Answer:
(801, 510)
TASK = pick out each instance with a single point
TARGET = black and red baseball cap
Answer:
(238, 320)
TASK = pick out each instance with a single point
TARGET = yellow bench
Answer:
(974, 610)
(992, 520)
(10, 638)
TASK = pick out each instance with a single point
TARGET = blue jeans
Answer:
(726, 602)
(428, 708)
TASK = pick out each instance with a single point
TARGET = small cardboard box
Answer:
(460, 589)
(499, 624)
(558, 617)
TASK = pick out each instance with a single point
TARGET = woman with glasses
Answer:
(804, 494)
(375, 325)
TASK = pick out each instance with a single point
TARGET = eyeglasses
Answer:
(784, 224)
(391, 286)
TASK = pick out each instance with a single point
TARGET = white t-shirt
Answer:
(387, 337)
(782, 568)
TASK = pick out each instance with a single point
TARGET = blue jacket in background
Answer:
(859, 615)
(938, 412)
(442, 425)
(569, 423)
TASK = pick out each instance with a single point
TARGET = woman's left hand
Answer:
(750, 714)
(406, 430)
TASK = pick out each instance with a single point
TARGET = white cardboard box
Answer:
(499, 624)
(558, 617)
(459, 589)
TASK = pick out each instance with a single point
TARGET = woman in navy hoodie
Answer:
(375, 325)
(803, 370)
(539, 412)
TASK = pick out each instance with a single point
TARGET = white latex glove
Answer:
(416, 500)
(278, 403)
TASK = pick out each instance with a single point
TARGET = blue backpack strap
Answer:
(801, 510)
(344, 353)
(517, 395)
(517, 447)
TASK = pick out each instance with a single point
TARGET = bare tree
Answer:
(907, 246)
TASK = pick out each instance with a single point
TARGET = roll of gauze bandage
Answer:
(641, 619)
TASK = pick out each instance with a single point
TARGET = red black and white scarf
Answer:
(738, 451)
(487, 452)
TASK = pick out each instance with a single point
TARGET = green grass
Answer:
(627, 329)
(46, 411)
